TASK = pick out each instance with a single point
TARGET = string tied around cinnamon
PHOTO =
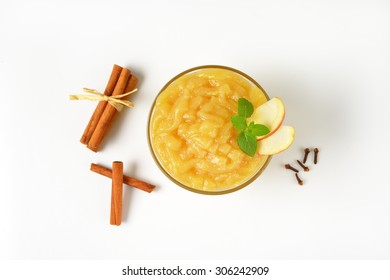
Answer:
(115, 100)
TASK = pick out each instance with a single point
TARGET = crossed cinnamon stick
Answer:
(116, 193)
(118, 179)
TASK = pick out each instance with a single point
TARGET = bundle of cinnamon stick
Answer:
(121, 81)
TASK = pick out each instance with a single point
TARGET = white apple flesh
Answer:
(279, 141)
(270, 114)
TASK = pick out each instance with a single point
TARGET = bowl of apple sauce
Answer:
(190, 133)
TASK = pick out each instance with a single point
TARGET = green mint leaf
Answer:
(259, 130)
(238, 122)
(247, 143)
(245, 108)
(251, 125)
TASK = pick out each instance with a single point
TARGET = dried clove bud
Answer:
(288, 166)
(316, 155)
(303, 166)
(300, 182)
(307, 151)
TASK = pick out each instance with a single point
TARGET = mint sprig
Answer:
(247, 138)
(247, 142)
(245, 108)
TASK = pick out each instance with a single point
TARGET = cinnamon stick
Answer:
(91, 126)
(131, 84)
(126, 179)
(108, 113)
(116, 193)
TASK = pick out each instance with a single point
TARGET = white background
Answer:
(327, 60)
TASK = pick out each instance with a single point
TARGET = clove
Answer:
(307, 151)
(288, 166)
(300, 182)
(303, 166)
(316, 155)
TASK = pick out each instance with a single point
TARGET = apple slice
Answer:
(278, 141)
(270, 114)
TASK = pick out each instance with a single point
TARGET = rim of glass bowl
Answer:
(166, 173)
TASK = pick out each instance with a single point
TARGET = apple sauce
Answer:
(191, 135)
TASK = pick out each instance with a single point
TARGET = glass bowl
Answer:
(228, 189)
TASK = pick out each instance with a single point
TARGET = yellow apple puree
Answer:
(191, 133)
